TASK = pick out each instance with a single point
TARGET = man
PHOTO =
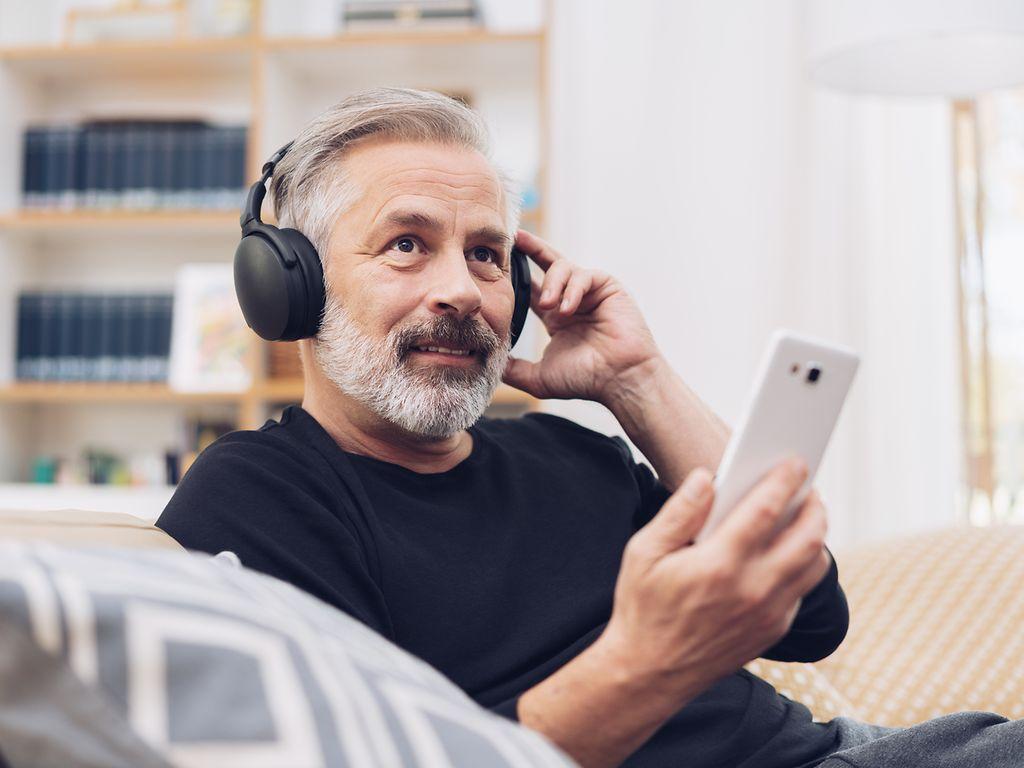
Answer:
(530, 560)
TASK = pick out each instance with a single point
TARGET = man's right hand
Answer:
(688, 614)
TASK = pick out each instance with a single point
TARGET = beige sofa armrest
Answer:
(85, 528)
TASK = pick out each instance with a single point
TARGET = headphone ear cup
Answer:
(520, 267)
(279, 282)
(309, 276)
(261, 285)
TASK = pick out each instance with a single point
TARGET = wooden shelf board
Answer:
(401, 37)
(279, 390)
(291, 390)
(270, 391)
(106, 392)
(128, 47)
(227, 46)
(185, 222)
(199, 57)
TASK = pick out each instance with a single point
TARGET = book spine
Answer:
(150, 321)
(22, 352)
(237, 181)
(34, 336)
(65, 337)
(106, 366)
(206, 177)
(163, 345)
(90, 336)
(179, 167)
(136, 362)
(80, 168)
(90, 161)
(30, 182)
(119, 165)
(57, 166)
(49, 169)
(49, 333)
(147, 159)
(104, 162)
(68, 144)
(122, 339)
(76, 365)
(170, 166)
(192, 143)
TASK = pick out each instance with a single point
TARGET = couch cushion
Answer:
(936, 626)
(161, 657)
(73, 526)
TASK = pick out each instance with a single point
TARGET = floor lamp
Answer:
(953, 49)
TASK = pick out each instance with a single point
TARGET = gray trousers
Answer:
(963, 740)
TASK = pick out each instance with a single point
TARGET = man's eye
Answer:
(484, 254)
(404, 244)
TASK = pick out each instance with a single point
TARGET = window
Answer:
(989, 150)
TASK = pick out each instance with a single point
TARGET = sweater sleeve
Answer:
(250, 495)
(820, 624)
(508, 709)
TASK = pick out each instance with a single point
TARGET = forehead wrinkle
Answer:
(393, 191)
(461, 191)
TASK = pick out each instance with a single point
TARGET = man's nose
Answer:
(454, 290)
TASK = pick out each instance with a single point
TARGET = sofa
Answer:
(937, 626)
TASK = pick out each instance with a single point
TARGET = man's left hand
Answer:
(598, 336)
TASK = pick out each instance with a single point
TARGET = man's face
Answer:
(419, 295)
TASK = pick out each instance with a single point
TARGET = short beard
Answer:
(436, 401)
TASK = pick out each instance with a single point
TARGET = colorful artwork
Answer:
(210, 343)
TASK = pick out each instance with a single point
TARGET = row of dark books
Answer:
(63, 336)
(385, 14)
(134, 164)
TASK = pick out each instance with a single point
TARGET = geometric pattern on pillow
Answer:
(174, 658)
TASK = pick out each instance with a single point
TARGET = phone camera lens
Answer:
(813, 373)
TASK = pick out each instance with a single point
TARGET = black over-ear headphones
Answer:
(279, 279)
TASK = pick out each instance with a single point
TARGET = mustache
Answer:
(448, 331)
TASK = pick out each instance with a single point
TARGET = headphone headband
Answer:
(251, 212)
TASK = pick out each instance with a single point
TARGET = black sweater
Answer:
(497, 572)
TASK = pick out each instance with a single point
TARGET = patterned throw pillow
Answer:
(132, 658)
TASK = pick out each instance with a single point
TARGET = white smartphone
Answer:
(791, 412)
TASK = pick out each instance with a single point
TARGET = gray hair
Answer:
(310, 188)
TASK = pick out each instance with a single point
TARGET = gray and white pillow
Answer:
(150, 658)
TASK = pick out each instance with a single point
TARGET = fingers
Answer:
(799, 555)
(578, 286)
(752, 524)
(538, 250)
(565, 287)
(524, 375)
(555, 281)
(680, 518)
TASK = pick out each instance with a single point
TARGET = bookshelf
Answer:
(106, 222)
(269, 391)
(271, 82)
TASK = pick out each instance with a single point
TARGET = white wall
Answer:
(691, 159)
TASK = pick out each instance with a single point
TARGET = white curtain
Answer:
(690, 157)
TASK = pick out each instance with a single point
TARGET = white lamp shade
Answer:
(915, 47)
